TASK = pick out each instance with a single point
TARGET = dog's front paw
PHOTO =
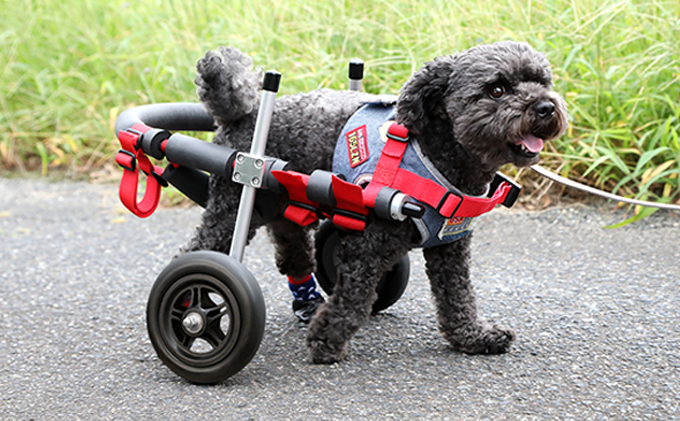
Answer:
(494, 339)
(321, 353)
(326, 342)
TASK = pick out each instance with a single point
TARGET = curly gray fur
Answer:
(469, 112)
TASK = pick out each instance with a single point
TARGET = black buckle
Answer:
(133, 161)
(514, 192)
(454, 192)
(159, 179)
(139, 136)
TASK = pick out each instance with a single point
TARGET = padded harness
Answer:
(375, 152)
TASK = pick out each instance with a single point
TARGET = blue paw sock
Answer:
(303, 289)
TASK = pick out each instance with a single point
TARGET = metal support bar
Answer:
(246, 205)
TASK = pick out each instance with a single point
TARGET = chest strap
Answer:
(447, 202)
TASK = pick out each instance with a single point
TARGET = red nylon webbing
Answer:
(133, 161)
(296, 186)
(349, 197)
(387, 173)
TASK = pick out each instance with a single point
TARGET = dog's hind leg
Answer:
(295, 258)
(294, 248)
(217, 226)
(448, 268)
(364, 258)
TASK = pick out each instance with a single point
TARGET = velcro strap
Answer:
(388, 165)
(300, 209)
(389, 161)
(350, 212)
(132, 159)
(447, 203)
(301, 215)
(475, 206)
(348, 196)
(424, 190)
(348, 222)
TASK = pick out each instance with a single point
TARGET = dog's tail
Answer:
(227, 85)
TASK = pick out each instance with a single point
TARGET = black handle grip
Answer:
(272, 79)
(169, 116)
(356, 69)
(195, 153)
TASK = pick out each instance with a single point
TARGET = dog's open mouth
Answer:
(529, 146)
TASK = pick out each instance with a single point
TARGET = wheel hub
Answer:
(193, 323)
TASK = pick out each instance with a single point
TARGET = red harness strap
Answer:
(446, 202)
(350, 210)
(300, 210)
(132, 159)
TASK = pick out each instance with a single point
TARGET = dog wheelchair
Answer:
(206, 312)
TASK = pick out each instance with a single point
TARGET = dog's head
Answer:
(495, 101)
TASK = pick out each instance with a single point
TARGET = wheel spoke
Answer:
(196, 296)
(214, 314)
(176, 315)
(187, 341)
(213, 335)
(204, 297)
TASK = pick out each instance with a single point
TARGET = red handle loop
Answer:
(132, 159)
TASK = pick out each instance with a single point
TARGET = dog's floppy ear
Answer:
(421, 101)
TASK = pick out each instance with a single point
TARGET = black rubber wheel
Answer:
(205, 316)
(391, 286)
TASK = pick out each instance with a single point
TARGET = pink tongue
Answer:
(532, 143)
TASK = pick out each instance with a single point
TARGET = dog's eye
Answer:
(496, 91)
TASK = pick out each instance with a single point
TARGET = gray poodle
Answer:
(471, 113)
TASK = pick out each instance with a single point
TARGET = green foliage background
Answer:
(69, 67)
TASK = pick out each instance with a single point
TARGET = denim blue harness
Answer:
(357, 153)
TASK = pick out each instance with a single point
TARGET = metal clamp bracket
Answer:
(248, 170)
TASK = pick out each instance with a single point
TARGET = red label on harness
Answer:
(356, 146)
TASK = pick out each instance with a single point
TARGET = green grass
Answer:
(69, 67)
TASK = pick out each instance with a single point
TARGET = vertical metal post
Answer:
(245, 209)
(356, 74)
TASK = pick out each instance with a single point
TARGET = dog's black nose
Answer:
(544, 109)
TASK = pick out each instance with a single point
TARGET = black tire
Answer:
(226, 306)
(391, 286)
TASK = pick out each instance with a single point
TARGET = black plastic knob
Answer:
(272, 78)
(356, 69)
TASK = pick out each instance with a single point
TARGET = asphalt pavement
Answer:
(596, 313)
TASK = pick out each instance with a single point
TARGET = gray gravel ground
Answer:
(596, 312)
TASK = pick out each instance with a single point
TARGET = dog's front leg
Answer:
(364, 258)
(448, 268)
